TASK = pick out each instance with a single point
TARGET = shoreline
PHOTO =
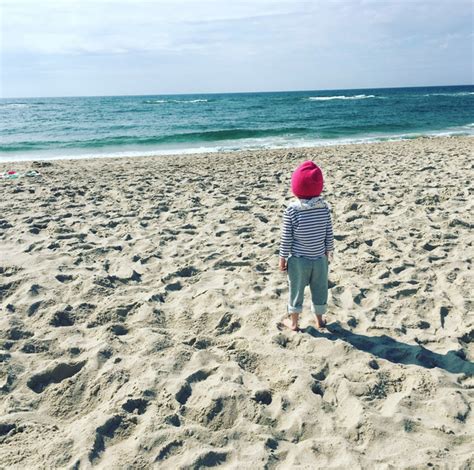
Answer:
(140, 298)
(191, 153)
(194, 152)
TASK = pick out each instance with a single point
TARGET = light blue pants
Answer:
(303, 272)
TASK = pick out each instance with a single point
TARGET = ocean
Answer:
(81, 127)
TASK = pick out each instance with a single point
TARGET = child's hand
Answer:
(283, 264)
(330, 255)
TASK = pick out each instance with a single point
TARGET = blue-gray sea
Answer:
(74, 127)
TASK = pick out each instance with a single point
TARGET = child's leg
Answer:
(319, 289)
(292, 322)
(299, 271)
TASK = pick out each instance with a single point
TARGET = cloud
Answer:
(121, 26)
(73, 27)
(240, 44)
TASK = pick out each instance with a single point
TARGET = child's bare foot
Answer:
(320, 322)
(289, 324)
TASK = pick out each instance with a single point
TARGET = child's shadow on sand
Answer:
(395, 351)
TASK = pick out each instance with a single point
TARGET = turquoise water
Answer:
(33, 128)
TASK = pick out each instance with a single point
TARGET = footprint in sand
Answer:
(317, 388)
(322, 374)
(35, 347)
(17, 333)
(174, 286)
(63, 318)
(64, 278)
(360, 296)
(118, 329)
(116, 428)
(241, 208)
(8, 288)
(186, 272)
(5, 428)
(124, 310)
(54, 375)
(173, 420)
(230, 265)
(263, 397)
(468, 337)
(210, 459)
(185, 391)
(136, 405)
(342, 297)
(168, 450)
(244, 230)
(4, 224)
(404, 293)
(227, 324)
(399, 269)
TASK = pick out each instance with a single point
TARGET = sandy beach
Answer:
(139, 301)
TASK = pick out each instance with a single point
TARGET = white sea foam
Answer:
(176, 101)
(262, 143)
(340, 97)
(460, 93)
(14, 105)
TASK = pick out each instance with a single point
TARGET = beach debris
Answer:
(12, 174)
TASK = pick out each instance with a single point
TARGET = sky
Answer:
(134, 47)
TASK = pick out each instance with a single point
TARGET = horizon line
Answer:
(234, 92)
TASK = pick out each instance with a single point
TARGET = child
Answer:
(307, 242)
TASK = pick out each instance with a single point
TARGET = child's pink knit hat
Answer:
(307, 180)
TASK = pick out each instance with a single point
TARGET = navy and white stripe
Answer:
(307, 229)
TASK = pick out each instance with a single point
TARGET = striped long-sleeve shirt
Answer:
(307, 229)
